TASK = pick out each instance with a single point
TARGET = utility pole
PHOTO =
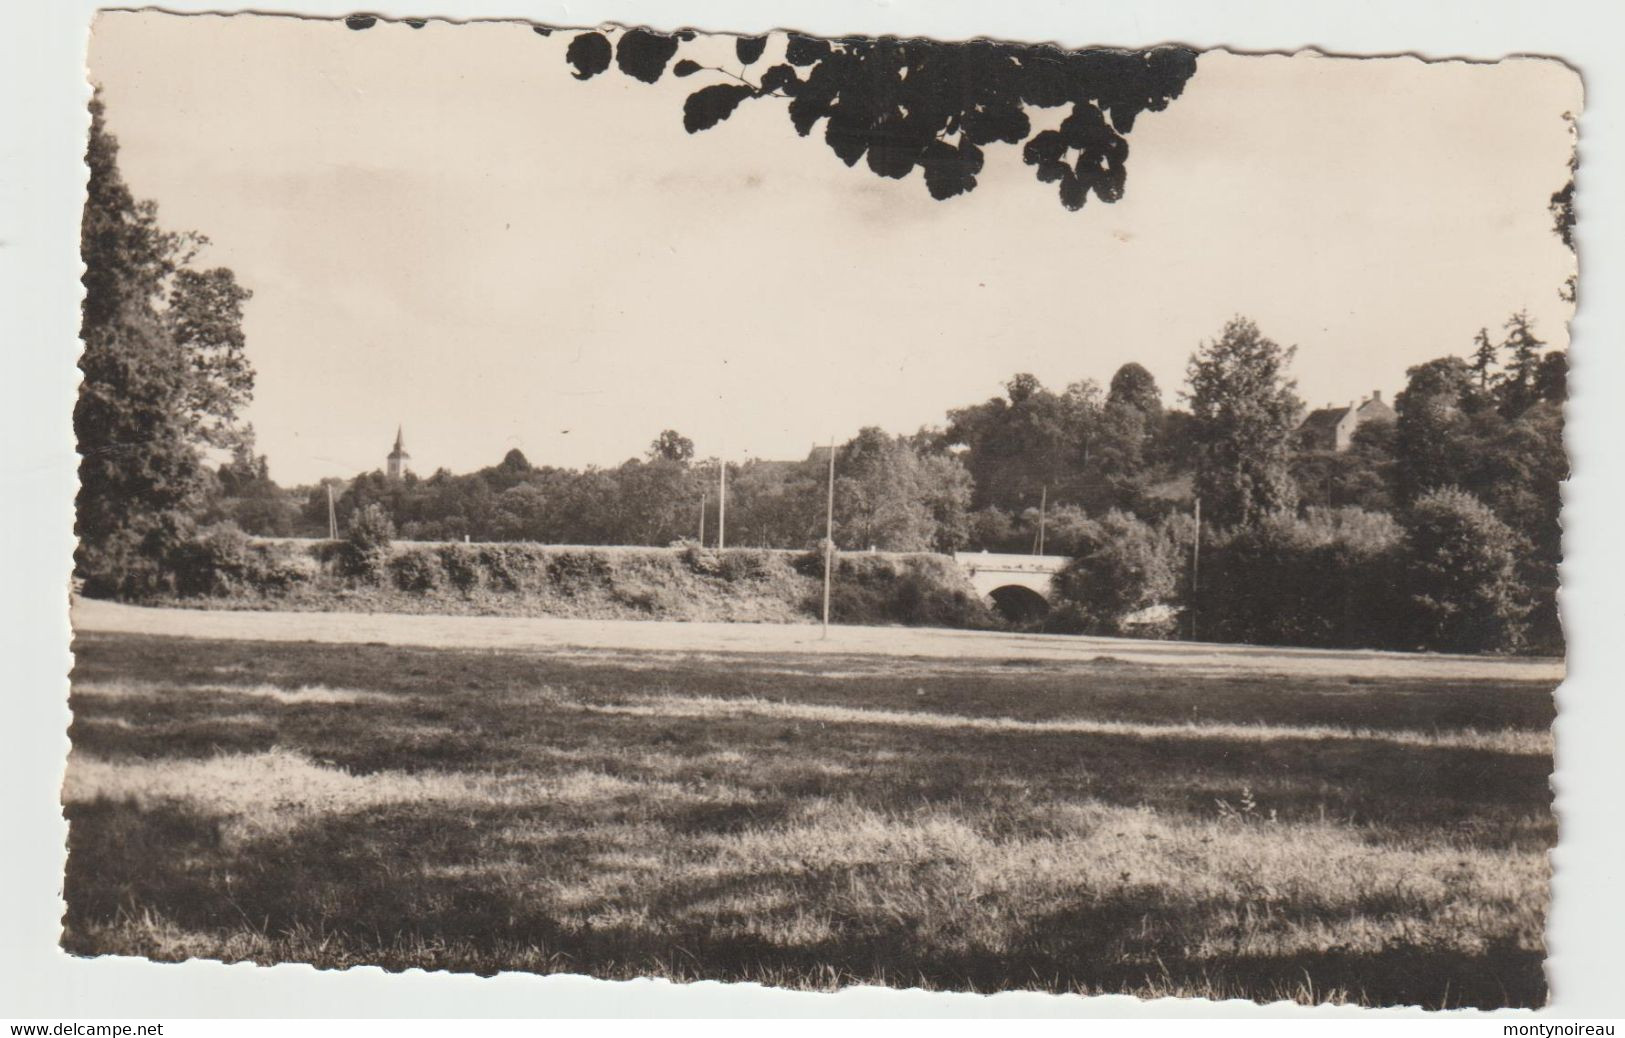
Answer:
(829, 535)
(1196, 564)
(1043, 506)
(704, 497)
(332, 515)
(722, 503)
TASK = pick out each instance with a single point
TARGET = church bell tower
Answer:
(398, 458)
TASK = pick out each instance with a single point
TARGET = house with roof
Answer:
(1331, 428)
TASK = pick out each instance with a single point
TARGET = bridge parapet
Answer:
(975, 562)
(991, 574)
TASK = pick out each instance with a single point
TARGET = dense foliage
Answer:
(902, 104)
(164, 374)
(1440, 529)
(1246, 412)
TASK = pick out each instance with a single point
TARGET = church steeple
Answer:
(398, 458)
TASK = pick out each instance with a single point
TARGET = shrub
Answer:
(416, 570)
(699, 559)
(1122, 566)
(366, 549)
(1328, 578)
(135, 561)
(214, 561)
(461, 566)
(572, 572)
(506, 566)
(1462, 575)
(916, 590)
(221, 560)
(741, 564)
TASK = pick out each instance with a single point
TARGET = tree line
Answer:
(1438, 529)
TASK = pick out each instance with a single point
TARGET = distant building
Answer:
(399, 460)
(1332, 428)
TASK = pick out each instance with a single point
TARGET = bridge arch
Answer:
(1018, 603)
(992, 573)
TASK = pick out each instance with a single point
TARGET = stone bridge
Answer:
(1018, 586)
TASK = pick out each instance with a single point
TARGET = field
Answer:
(986, 813)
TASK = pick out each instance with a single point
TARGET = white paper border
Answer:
(42, 49)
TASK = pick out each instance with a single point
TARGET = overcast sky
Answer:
(443, 229)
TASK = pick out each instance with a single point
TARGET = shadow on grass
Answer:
(402, 888)
(1121, 693)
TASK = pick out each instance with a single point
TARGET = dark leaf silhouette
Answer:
(1073, 191)
(589, 53)
(360, 21)
(1006, 123)
(951, 171)
(710, 105)
(907, 104)
(805, 50)
(749, 48)
(642, 54)
(781, 79)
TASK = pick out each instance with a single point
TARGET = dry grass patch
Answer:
(286, 696)
(272, 792)
(1507, 740)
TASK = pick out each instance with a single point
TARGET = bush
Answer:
(222, 560)
(416, 570)
(1329, 578)
(1461, 569)
(461, 567)
(699, 559)
(136, 561)
(1122, 566)
(572, 572)
(916, 590)
(214, 561)
(365, 551)
(506, 566)
(742, 564)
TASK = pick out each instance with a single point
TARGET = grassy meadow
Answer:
(812, 821)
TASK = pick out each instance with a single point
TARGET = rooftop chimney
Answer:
(1376, 395)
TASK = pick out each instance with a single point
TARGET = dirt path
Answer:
(498, 632)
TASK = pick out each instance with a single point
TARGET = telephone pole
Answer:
(1196, 564)
(722, 503)
(332, 515)
(829, 535)
(705, 496)
(1043, 506)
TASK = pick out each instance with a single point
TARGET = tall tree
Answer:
(205, 318)
(1486, 355)
(1431, 432)
(1127, 426)
(1552, 380)
(1246, 411)
(1520, 387)
(889, 496)
(164, 376)
(1133, 386)
(671, 445)
(1030, 439)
